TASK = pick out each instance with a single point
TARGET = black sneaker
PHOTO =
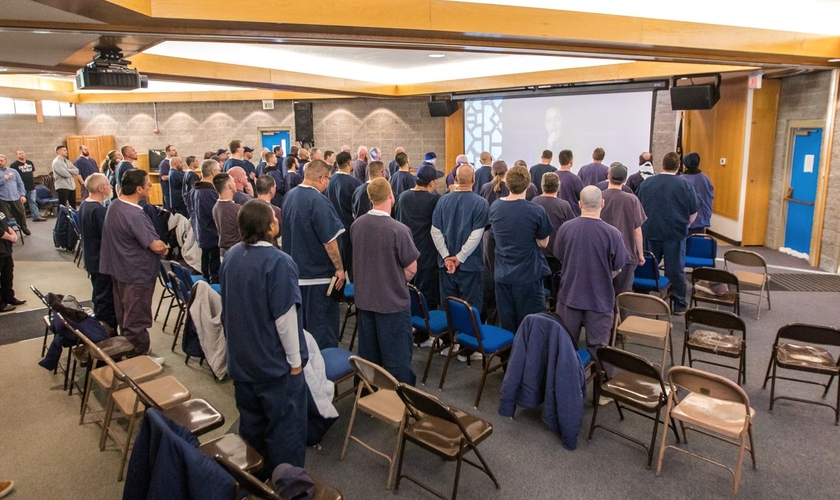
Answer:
(26, 231)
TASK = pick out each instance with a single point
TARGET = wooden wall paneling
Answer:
(453, 138)
(760, 174)
(729, 130)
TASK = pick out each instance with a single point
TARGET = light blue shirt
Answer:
(11, 189)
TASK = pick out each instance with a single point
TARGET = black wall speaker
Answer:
(442, 108)
(303, 122)
(694, 97)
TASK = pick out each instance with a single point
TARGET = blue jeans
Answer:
(674, 254)
(33, 204)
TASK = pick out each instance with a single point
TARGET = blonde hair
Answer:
(378, 190)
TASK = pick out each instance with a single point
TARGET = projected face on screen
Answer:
(521, 128)
(554, 128)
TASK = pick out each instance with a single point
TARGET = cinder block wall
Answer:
(38, 140)
(196, 127)
(664, 137)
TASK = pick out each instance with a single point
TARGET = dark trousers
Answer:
(385, 339)
(598, 325)
(7, 276)
(674, 254)
(14, 209)
(468, 286)
(133, 305)
(210, 261)
(272, 419)
(696, 230)
(67, 197)
(321, 315)
(103, 299)
(514, 302)
(345, 250)
(428, 282)
(623, 281)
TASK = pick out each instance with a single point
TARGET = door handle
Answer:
(801, 202)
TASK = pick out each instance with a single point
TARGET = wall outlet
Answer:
(723, 161)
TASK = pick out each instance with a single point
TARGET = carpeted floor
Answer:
(25, 325)
(49, 455)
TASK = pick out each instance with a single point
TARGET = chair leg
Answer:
(772, 388)
(662, 441)
(352, 419)
(85, 397)
(828, 386)
(596, 394)
(394, 456)
(837, 407)
(168, 312)
(432, 351)
(457, 474)
(653, 438)
(400, 463)
(355, 331)
(483, 379)
(448, 360)
(769, 365)
(670, 349)
(131, 421)
(738, 465)
(752, 446)
(486, 467)
(160, 301)
(106, 424)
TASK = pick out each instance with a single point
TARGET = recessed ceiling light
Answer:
(436, 56)
(3, 68)
(834, 60)
(41, 32)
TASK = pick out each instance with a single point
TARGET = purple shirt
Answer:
(590, 250)
(382, 249)
(624, 212)
(126, 236)
(593, 173)
(570, 186)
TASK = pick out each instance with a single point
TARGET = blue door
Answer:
(802, 193)
(271, 138)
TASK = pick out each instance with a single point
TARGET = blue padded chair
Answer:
(182, 298)
(700, 251)
(337, 366)
(488, 340)
(432, 322)
(188, 279)
(349, 299)
(45, 199)
(647, 278)
(75, 225)
(167, 293)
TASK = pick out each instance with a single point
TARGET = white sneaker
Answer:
(445, 351)
(427, 343)
(476, 356)
(603, 400)
(157, 359)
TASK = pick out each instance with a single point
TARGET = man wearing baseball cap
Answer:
(623, 211)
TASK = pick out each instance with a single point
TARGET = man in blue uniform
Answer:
(361, 202)
(458, 225)
(202, 200)
(266, 349)
(385, 259)
(593, 173)
(705, 193)
(670, 204)
(592, 253)
(310, 236)
(521, 229)
(570, 183)
(340, 192)
(542, 168)
(484, 173)
(402, 180)
(91, 221)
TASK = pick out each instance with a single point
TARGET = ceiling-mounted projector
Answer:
(109, 71)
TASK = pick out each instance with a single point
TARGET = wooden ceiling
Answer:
(658, 48)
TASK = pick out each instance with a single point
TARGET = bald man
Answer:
(91, 220)
(458, 224)
(244, 190)
(360, 164)
(592, 253)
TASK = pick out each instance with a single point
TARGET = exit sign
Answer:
(754, 81)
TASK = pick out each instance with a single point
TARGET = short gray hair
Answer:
(590, 198)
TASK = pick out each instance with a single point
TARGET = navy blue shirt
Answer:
(705, 195)
(669, 201)
(402, 181)
(458, 214)
(122, 168)
(279, 186)
(415, 209)
(309, 222)
(361, 201)
(163, 169)
(483, 175)
(537, 171)
(91, 221)
(340, 192)
(176, 192)
(570, 186)
(593, 173)
(202, 200)
(269, 279)
(292, 180)
(190, 178)
(517, 224)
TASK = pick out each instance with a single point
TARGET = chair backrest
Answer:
(715, 276)
(629, 362)
(640, 303)
(181, 295)
(707, 384)
(39, 295)
(744, 258)
(421, 403)
(372, 374)
(463, 318)
(813, 334)
(714, 318)
(649, 270)
(182, 274)
(419, 307)
(245, 480)
(702, 246)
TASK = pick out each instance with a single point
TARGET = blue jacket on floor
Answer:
(544, 367)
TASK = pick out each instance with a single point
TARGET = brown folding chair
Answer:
(441, 430)
(807, 354)
(714, 406)
(760, 280)
(632, 381)
(716, 335)
(637, 317)
(382, 402)
(732, 298)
